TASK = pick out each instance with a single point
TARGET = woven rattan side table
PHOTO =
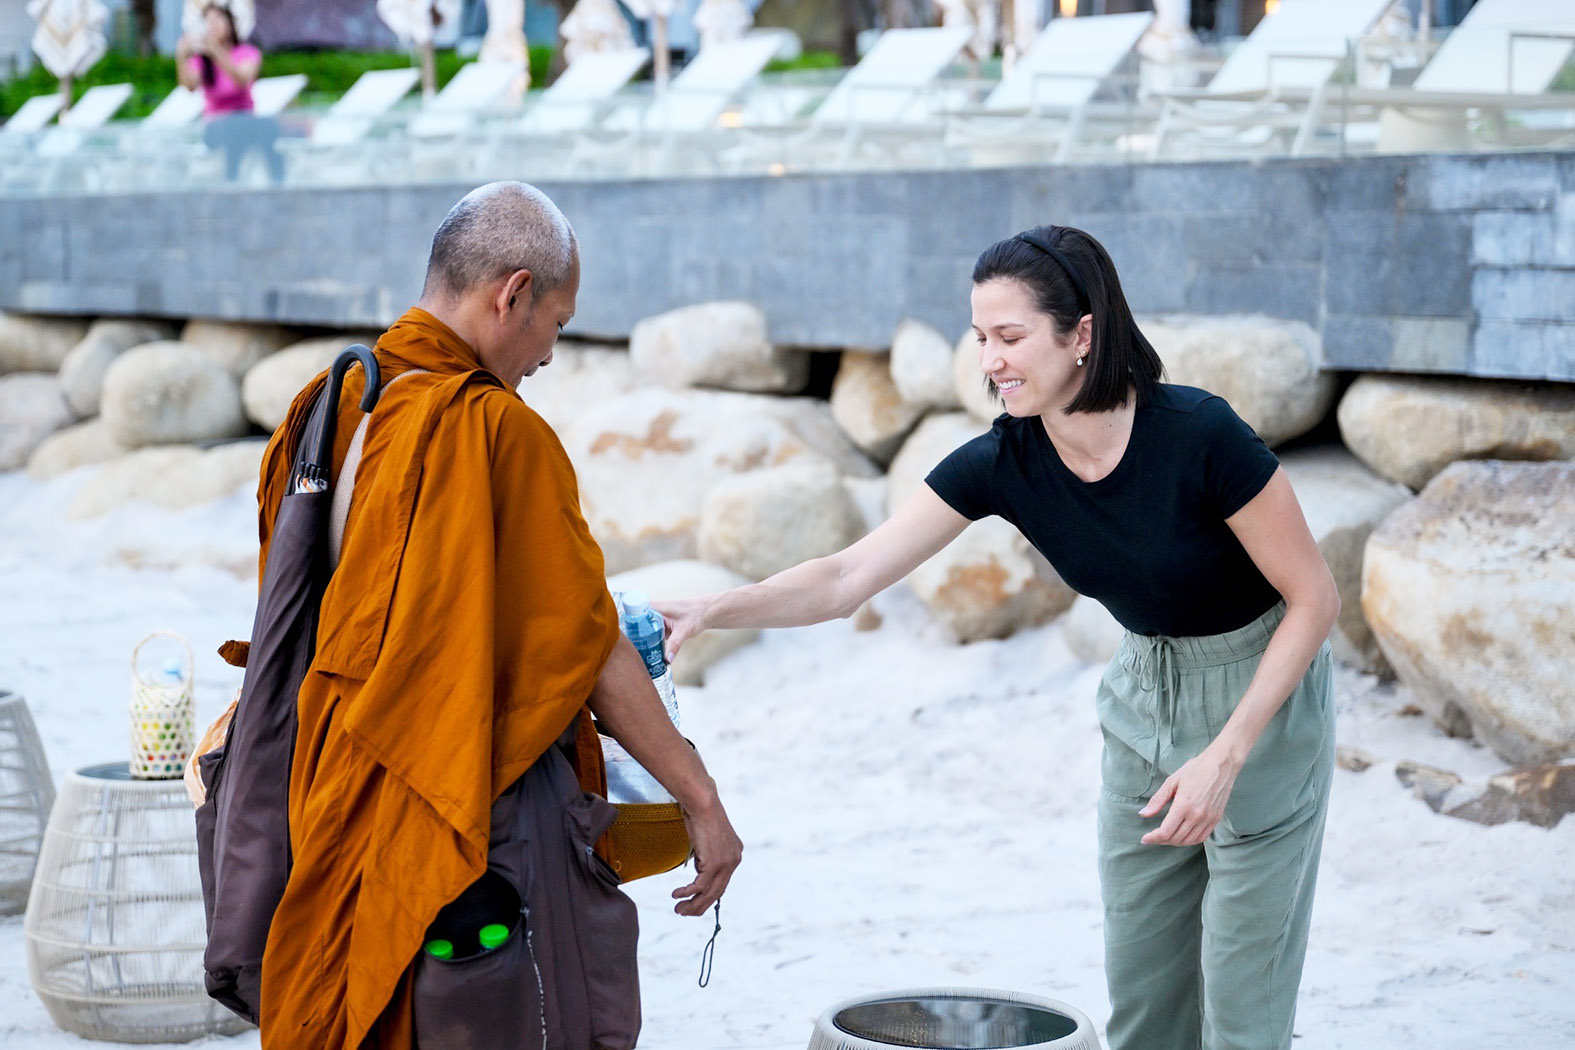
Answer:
(26, 794)
(114, 926)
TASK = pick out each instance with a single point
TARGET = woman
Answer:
(1216, 714)
(218, 64)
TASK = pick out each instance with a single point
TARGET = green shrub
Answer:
(807, 60)
(329, 75)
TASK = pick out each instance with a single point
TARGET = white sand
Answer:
(914, 813)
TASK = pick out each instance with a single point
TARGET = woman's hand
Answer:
(685, 618)
(1197, 793)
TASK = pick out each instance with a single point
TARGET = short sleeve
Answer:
(1237, 463)
(961, 479)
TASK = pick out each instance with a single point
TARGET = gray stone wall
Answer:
(1453, 264)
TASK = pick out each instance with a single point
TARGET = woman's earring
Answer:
(1080, 360)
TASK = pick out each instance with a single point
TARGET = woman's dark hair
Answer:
(1070, 274)
(208, 73)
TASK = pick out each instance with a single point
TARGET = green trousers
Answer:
(1204, 944)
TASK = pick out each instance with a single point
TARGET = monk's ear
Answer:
(516, 290)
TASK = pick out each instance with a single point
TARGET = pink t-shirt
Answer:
(224, 95)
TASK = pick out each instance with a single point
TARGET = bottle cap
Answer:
(440, 949)
(633, 604)
(492, 935)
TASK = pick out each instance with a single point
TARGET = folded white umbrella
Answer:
(720, 21)
(244, 12)
(70, 35)
(416, 21)
(594, 25)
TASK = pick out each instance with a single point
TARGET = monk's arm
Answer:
(625, 703)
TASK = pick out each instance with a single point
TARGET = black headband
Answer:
(1083, 301)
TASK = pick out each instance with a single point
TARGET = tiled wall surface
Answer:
(1457, 264)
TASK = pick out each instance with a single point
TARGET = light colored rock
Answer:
(1470, 590)
(173, 477)
(866, 405)
(36, 344)
(1266, 369)
(968, 381)
(75, 446)
(646, 461)
(762, 522)
(810, 419)
(1343, 502)
(82, 370)
(721, 344)
(170, 392)
(32, 407)
(921, 367)
(579, 376)
(272, 383)
(1408, 428)
(990, 582)
(690, 579)
(236, 346)
(932, 441)
(1090, 631)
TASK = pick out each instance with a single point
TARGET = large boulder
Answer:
(75, 446)
(236, 346)
(968, 381)
(1470, 590)
(1266, 369)
(989, 583)
(271, 384)
(721, 344)
(690, 579)
(1408, 428)
(647, 460)
(865, 403)
(82, 370)
(1542, 795)
(932, 441)
(1343, 502)
(579, 376)
(173, 477)
(32, 407)
(762, 522)
(36, 344)
(170, 392)
(921, 367)
(1090, 631)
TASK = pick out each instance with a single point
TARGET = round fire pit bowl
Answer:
(953, 1019)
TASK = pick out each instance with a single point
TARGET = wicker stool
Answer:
(114, 927)
(953, 1018)
(26, 793)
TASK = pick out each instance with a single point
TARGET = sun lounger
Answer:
(273, 95)
(476, 88)
(31, 117)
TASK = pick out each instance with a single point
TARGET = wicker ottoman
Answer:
(114, 928)
(26, 793)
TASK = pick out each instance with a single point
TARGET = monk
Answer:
(463, 639)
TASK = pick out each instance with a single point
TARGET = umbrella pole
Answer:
(428, 71)
(659, 53)
(65, 94)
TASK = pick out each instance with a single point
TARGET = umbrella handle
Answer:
(336, 377)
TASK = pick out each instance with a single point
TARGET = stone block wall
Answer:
(1446, 264)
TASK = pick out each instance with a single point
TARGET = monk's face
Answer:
(530, 330)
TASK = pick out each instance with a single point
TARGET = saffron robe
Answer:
(461, 634)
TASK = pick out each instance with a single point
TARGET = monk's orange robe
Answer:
(462, 633)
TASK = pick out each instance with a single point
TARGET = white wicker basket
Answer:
(163, 716)
(954, 1019)
(26, 794)
(114, 929)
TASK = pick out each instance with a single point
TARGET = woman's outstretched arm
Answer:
(824, 588)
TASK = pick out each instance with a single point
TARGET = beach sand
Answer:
(914, 812)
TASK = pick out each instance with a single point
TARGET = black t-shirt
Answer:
(1148, 540)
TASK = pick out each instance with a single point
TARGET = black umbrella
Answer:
(243, 832)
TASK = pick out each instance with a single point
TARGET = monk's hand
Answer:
(684, 617)
(1197, 793)
(717, 850)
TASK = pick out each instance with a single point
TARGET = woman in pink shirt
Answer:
(218, 64)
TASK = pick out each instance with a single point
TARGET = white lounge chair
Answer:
(273, 95)
(1502, 58)
(179, 109)
(1049, 95)
(371, 97)
(576, 101)
(90, 113)
(1272, 83)
(476, 88)
(31, 117)
(882, 99)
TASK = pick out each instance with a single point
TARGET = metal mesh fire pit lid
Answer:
(954, 1019)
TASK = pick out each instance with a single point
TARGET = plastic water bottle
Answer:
(627, 780)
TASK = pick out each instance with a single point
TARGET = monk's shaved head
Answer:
(496, 230)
